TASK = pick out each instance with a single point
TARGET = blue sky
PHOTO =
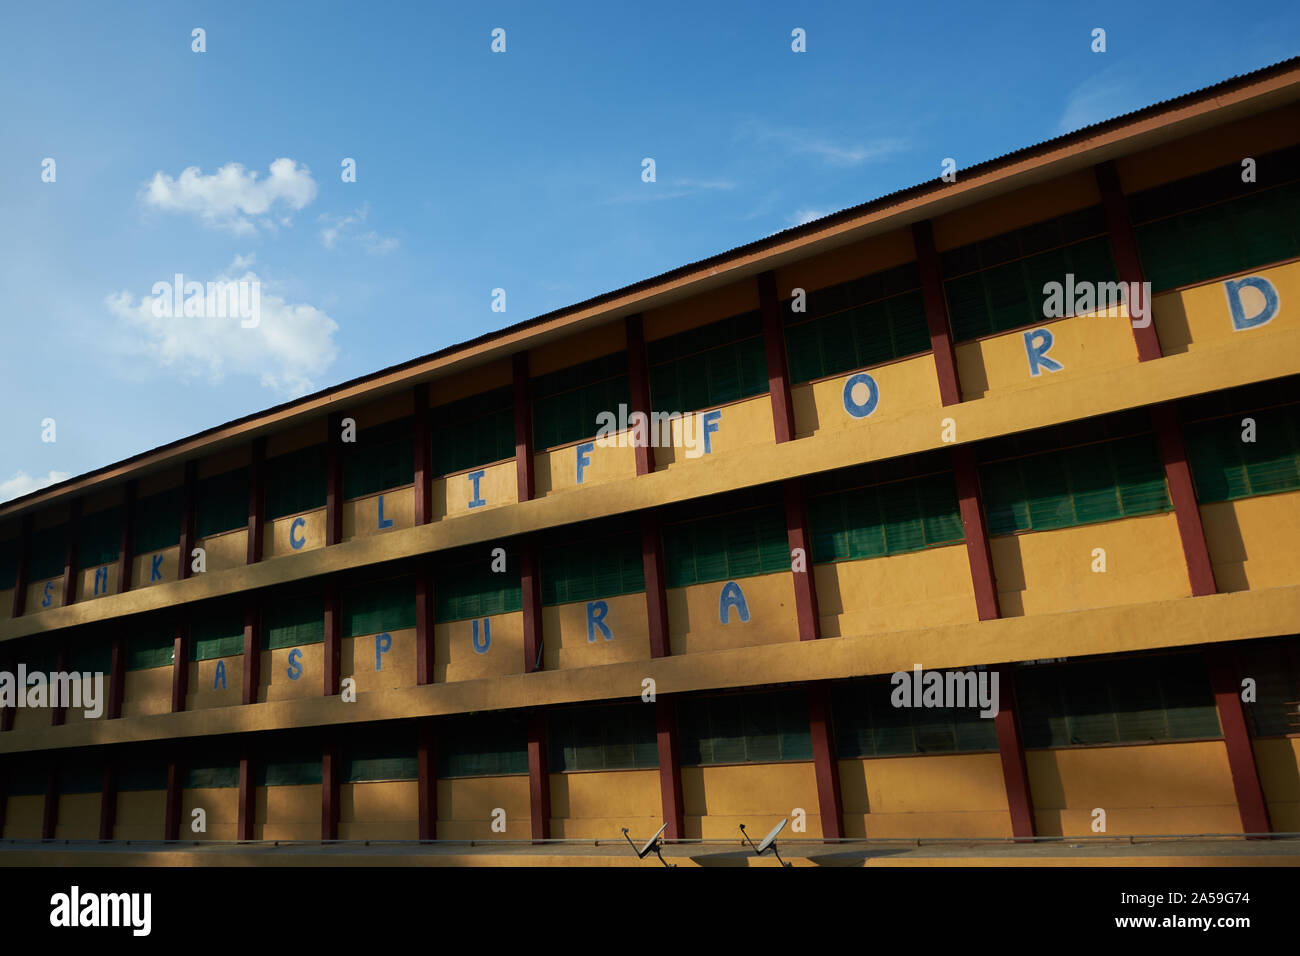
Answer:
(475, 170)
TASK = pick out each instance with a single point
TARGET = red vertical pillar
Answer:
(825, 764)
(24, 564)
(256, 501)
(108, 801)
(172, 813)
(530, 584)
(50, 816)
(59, 714)
(252, 652)
(329, 774)
(523, 429)
(423, 456)
(334, 480)
(116, 675)
(805, 593)
(978, 550)
(126, 544)
(180, 666)
(245, 826)
(936, 312)
(539, 778)
(189, 507)
(333, 638)
(427, 772)
(1178, 476)
(638, 375)
(70, 556)
(778, 373)
(1124, 247)
(656, 593)
(670, 767)
(424, 607)
(1011, 748)
(1226, 681)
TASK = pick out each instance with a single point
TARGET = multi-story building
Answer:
(437, 602)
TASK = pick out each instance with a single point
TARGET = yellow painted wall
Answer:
(922, 588)
(147, 692)
(1181, 787)
(718, 799)
(904, 386)
(455, 658)
(1198, 317)
(557, 470)
(78, 817)
(565, 629)
(946, 795)
(142, 568)
(7, 603)
(397, 663)
(221, 806)
(275, 680)
(226, 550)
(498, 486)
(1084, 344)
(1278, 762)
(276, 534)
(141, 815)
(590, 806)
(86, 582)
(1047, 571)
(382, 810)
(37, 593)
(1252, 541)
(465, 806)
(32, 718)
(694, 625)
(24, 816)
(743, 423)
(201, 692)
(288, 813)
(361, 516)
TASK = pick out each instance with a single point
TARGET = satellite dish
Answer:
(651, 845)
(768, 842)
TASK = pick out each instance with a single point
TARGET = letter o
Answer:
(863, 409)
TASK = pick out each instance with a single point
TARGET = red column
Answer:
(188, 509)
(24, 562)
(778, 373)
(638, 374)
(1173, 453)
(805, 593)
(427, 771)
(423, 456)
(523, 429)
(530, 584)
(825, 764)
(247, 798)
(50, 816)
(252, 652)
(333, 638)
(180, 666)
(329, 774)
(670, 767)
(256, 501)
(172, 813)
(70, 556)
(1226, 681)
(424, 650)
(334, 480)
(936, 312)
(656, 594)
(116, 676)
(978, 551)
(1124, 247)
(108, 801)
(126, 544)
(59, 714)
(1015, 770)
(539, 779)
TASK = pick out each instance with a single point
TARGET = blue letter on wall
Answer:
(101, 574)
(583, 461)
(710, 422)
(382, 643)
(1240, 321)
(596, 611)
(383, 522)
(474, 476)
(295, 664)
(220, 676)
(732, 596)
(155, 568)
(1037, 342)
(851, 405)
(297, 543)
(49, 594)
(487, 636)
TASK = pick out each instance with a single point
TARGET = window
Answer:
(1138, 700)
(723, 547)
(158, 521)
(8, 564)
(996, 284)
(867, 724)
(700, 368)
(90, 653)
(383, 457)
(99, 537)
(81, 773)
(1275, 666)
(49, 552)
(151, 646)
(378, 752)
(1225, 468)
(744, 728)
(599, 567)
(856, 324)
(470, 588)
(146, 770)
(376, 606)
(615, 737)
(483, 745)
(26, 776)
(1213, 224)
(479, 430)
(289, 764)
(210, 766)
(566, 403)
(295, 482)
(293, 620)
(217, 632)
(223, 503)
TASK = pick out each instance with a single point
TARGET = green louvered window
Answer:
(1138, 700)
(211, 772)
(99, 535)
(614, 737)
(1225, 468)
(586, 570)
(1213, 224)
(867, 724)
(217, 632)
(875, 319)
(49, 552)
(371, 753)
(293, 620)
(150, 645)
(223, 503)
(374, 607)
(9, 563)
(744, 728)
(382, 457)
(879, 519)
(470, 588)
(724, 547)
(474, 431)
(142, 771)
(566, 403)
(483, 745)
(701, 368)
(289, 764)
(158, 521)
(1062, 488)
(81, 773)
(295, 482)
(996, 284)
(26, 777)
(90, 654)
(1275, 668)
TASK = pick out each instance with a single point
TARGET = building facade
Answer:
(442, 602)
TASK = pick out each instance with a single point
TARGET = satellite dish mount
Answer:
(651, 845)
(767, 843)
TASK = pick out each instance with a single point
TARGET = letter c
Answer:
(297, 543)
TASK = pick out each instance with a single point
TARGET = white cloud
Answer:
(291, 344)
(802, 142)
(1097, 98)
(24, 484)
(807, 215)
(673, 189)
(339, 227)
(233, 198)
